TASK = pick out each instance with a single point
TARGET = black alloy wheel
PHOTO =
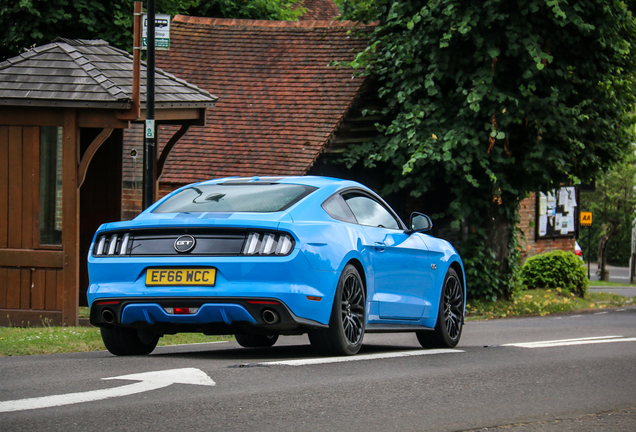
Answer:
(348, 317)
(450, 319)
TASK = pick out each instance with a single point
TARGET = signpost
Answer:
(586, 219)
(586, 222)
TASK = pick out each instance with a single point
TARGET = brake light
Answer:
(268, 244)
(112, 244)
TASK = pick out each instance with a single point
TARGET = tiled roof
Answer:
(280, 100)
(320, 10)
(86, 73)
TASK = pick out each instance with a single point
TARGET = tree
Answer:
(28, 23)
(493, 100)
(613, 205)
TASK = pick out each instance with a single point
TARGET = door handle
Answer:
(380, 247)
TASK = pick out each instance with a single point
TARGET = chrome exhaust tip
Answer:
(270, 316)
(108, 316)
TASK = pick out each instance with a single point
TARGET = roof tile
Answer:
(70, 71)
(280, 100)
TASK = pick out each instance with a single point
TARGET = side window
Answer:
(50, 186)
(338, 209)
(370, 212)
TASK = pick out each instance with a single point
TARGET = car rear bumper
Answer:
(208, 315)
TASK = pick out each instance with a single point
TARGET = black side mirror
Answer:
(419, 223)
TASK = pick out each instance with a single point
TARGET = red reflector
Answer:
(262, 302)
(114, 302)
(181, 311)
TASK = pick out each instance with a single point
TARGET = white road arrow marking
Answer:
(313, 361)
(570, 342)
(148, 381)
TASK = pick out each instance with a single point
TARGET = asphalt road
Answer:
(616, 274)
(583, 384)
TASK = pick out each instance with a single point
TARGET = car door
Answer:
(399, 260)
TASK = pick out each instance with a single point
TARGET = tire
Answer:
(348, 318)
(256, 341)
(125, 341)
(450, 318)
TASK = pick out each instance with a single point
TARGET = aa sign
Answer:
(586, 219)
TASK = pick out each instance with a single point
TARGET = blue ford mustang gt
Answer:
(269, 256)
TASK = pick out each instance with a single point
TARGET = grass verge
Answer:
(542, 302)
(52, 340)
(610, 284)
(16, 341)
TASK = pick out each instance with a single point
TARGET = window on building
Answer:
(50, 186)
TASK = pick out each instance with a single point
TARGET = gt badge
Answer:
(184, 244)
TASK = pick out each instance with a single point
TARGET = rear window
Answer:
(256, 198)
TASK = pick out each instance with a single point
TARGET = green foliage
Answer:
(619, 247)
(29, 23)
(613, 205)
(483, 269)
(556, 269)
(251, 9)
(493, 100)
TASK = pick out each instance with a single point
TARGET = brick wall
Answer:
(132, 197)
(530, 247)
(130, 202)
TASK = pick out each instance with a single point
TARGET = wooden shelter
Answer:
(63, 109)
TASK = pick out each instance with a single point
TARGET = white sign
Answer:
(147, 381)
(162, 32)
(150, 129)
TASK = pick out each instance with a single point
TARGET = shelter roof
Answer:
(89, 74)
(280, 96)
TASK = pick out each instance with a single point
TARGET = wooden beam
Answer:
(90, 152)
(70, 218)
(30, 116)
(194, 116)
(4, 185)
(31, 258)
(133, 113)
(14, 202)
(168, 148)
(101, 118)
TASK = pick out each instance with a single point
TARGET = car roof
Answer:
(314, 181)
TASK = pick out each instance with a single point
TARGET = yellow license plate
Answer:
(184, 277)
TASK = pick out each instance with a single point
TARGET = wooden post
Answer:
(70, 218)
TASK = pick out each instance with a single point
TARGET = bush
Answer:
(557, 269)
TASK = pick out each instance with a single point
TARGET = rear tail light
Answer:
(268, 244)
(111, 244)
